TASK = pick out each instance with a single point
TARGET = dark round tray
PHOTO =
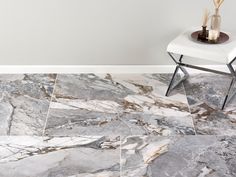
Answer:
(223, 38)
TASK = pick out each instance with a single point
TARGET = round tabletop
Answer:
(223, 38)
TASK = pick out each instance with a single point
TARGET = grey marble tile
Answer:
(178, 156)
(24, 102)
(206, 93)
(117, 104)
(83, 156)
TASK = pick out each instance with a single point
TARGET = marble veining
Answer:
(24, 102)
(83, 156)
(115, 125)
(117, 105)
(178, 156)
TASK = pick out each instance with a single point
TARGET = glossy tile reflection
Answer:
(206, 93)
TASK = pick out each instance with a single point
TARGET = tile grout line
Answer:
(189, 109)
(49, 106)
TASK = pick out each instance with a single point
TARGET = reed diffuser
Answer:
(204, 33)
(214, 32)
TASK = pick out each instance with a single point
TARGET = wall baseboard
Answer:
(14, 69)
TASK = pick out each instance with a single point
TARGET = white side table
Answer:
(224, 53)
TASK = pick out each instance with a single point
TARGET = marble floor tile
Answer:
(178, 156)
(24, 103)
(117, 104)
(83, 156)
(205, 94)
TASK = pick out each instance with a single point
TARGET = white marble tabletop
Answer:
(221, 53)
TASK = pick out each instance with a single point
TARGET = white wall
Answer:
(97, 31)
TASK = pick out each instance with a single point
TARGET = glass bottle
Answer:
(216, 22)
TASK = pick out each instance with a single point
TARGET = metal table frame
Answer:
(181, 66)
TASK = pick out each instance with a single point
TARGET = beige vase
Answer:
(216, 22)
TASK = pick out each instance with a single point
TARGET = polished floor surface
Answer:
(112, 125)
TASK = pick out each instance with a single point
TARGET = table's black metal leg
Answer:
(186, 74)
(229, 95)
(172, 80)
(171, 84)
(181, 65)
